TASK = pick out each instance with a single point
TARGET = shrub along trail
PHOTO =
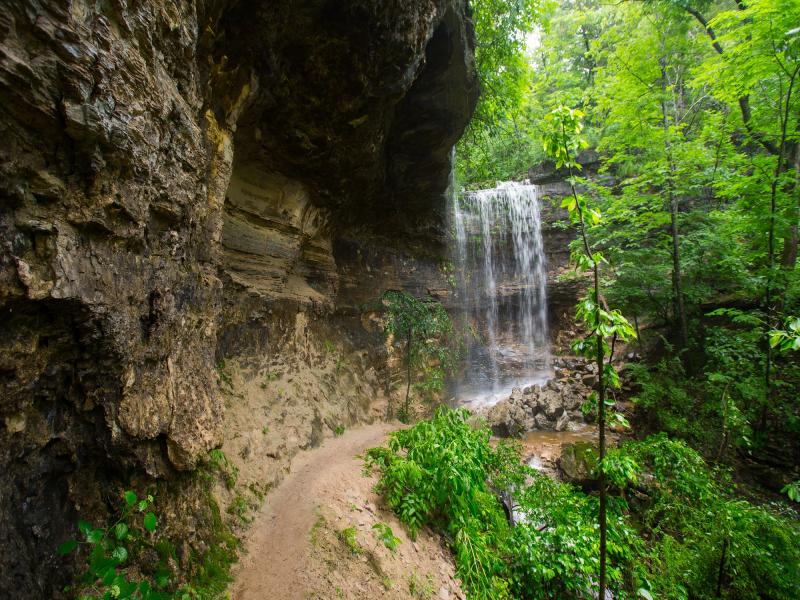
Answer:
(314, 537)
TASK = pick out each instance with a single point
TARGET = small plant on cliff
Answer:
(385, 534)
(562, 142)
(426, 329)
(220, 463)
(348, 537)
(111, 550)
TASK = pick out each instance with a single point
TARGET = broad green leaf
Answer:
(120, 554)
(95, 536)
(67, 547)
(150, 522)
(130, 498)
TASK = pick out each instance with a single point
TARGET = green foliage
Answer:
(787, 339)
(562, 141)
(792, 490)
(426, 330)
(445, 474)
(239, 508)
(696, 528)
(385, 534)
(420, 588)
(439, 473)
(110, 551)
(490, 148)
(220, 463)
(223, 374)
(348, 537)
(130, 558)
(667, 544)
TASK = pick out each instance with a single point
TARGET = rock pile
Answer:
(551, 407)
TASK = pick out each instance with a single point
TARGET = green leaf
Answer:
(130, 498)
(150, 522)
(67, 547)
(120, 554)
(84, 527)
(643, 593)
(775, 338)
(95, 536)
(121, 531)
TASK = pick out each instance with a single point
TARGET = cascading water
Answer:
(503, 287)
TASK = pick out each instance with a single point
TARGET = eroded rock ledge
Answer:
(175, 177)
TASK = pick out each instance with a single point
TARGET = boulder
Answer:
(498, 418)
(551, 403)
(541, 422)
(570, 399)
(578, 462)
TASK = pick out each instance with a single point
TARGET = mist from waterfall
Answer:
(502, 284)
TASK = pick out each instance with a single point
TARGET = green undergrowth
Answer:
(671, 519)
(134, 556)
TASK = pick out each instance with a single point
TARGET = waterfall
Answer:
(502, 287)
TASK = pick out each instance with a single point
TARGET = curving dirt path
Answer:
(314, 536)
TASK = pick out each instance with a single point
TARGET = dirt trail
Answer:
(314, 537)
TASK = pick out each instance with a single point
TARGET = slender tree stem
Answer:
(601, 388)
(677, 291)
(408, 371)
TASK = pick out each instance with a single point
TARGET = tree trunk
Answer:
(721, 573)
(677, 287)
(789, 254)
(601, 426)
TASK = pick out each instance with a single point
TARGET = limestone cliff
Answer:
(185, 182)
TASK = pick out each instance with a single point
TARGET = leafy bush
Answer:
(130, 558)
(445, 474)
(385, 534)
(680, 533)
(703, 543)
(109, 549)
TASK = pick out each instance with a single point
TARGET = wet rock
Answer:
(554, 406)
(571, 400)
(551, 403)
(562, 422)
(578, 461)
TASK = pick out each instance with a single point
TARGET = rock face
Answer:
(180, 181)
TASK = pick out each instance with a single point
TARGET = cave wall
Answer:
(184, 183)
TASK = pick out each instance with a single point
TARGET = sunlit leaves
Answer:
(792, 490)
(787, 339)
(562, 140)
